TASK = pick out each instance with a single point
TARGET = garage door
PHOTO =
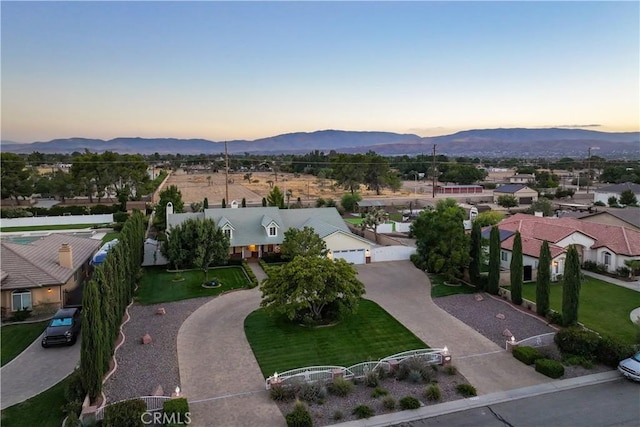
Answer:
(526, 200)
(355, 256)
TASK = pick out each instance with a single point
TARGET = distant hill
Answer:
(515, 142)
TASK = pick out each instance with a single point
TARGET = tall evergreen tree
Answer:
(493, 284)
(571, 287)
(516, 270)
(205, 203)
(91, 349)
(475, 255)
(544, 279)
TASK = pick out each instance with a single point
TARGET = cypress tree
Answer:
(264, 202)
(544, 279)
(224, 203)
(493, 284)
(244, 202)
(516, 270)
(205, 203)
(92, 345)
(571, 287)
(475, 254)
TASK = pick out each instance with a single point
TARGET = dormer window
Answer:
(273, 231)
(227, 232)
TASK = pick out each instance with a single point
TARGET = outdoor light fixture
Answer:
(445, 349)
(275, 375)
(177, 390)
(49, 290)
(513, 339)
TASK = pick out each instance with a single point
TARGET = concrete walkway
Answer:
(635, 285)
(404, 292)
(35, 370)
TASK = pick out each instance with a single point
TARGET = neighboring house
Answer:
(365, 206)
(521, 178)
(603, 194)
(625, 217)
(44, 274)
(524, 194)
(608, 245)
(257, 231)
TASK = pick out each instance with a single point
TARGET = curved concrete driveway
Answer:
(35, 370)
(218, 371)
(405, 292)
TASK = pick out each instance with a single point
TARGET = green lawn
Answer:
(15, 338)
(48, 227)
(371, 334)
(158, 286)
(604, 307)
(110, 236)
(43, 410)
(354, 220)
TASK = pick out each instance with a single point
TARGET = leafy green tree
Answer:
(172, 247)
(613, 202)
(377, 171)
(508, 201)
(628, 198)
(14, 177)
(462, 174)
(349, 171)
(350, 201)
(211, 245)
(373, 219)
(475, 255)
(275, 197)
(572, 282)
(487, 218)
(542, 205)
(305, 242)
(315, 287)
(92, 344)
(516, 270)
(392, 180)
(441, 239)
(170, 194)
(493, 284)
(196, 207)
(543, 283)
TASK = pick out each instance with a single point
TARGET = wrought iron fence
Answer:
(154, 403)
(538, 340)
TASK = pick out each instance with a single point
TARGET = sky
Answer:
(247, 70)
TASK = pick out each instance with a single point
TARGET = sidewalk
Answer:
(635, 286)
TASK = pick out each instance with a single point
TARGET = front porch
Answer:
(253, 251)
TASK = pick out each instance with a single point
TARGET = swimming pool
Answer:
(25, 239)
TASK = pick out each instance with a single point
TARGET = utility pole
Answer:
(226, 173)
(589, 166)
(433, 171)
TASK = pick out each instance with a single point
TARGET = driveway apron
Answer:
(404, 292)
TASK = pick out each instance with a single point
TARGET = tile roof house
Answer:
(254, 232)
(44, 274)
(609, 245)
(524, 194)
(603, 194)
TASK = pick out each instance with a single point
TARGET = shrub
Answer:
(550, 368)
(363, 411)
(252, 277)
(578, 361)
(337, 415)
(389, 402)
(418, 261)
(414, 376)
(527, 355)
(466, 390)
(340, 387)
(72, 420)
(72, 407)
(299, 416)
(415, 364)
(379, 391)
(309, 392)
(21, 315)
(73, 390)
(371, 379)
(554, 317)
(409, 402)
(610, 352)
(433, 393)
(450, 370)
(125, 414)
(176, 408)
(322, 392)
(281, 394)
(120, 216)
(578, 341)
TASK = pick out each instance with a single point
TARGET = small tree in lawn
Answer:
(373, 219)
(572, 282)
(493, 284)
(305, 242)
(475, 253)
(312, 289)
(508, 201)
(212, 245)
(544, 280)
(516, 270)
(172, 249)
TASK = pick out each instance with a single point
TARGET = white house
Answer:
(603, 194)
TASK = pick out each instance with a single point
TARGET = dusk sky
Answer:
(246, 70)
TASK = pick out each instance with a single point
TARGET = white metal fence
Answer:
(312, 374)
(538, 340)
(154, 403)
(57, 220)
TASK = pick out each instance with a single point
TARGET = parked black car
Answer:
(64, 328)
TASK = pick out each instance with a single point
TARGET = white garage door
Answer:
(355, 256)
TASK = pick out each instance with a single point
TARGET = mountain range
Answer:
(511, 142)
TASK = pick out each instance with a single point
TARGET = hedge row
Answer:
(527, 355)
(550, 368)
(581, 342)
(59, 210)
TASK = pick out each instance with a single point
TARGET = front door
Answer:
(527, 273)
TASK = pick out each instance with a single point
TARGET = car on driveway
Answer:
(64, 328)
(630, 367)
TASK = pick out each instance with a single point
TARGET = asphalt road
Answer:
(615, 403)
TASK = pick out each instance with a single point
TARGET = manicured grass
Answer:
(110, 236)
(43, 410)
(371, 334)
(15, 338)
(604, 307)
(48, 227)
(157, 285)
(354, 220)
(444, 290)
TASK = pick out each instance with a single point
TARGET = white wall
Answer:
(56, 220)
(343, 241)
(391, 253)
(576, 239)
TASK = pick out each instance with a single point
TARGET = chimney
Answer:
(65, 256)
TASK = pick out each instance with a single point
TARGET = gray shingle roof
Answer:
(510, 188)
(36, 263)
(619, 188)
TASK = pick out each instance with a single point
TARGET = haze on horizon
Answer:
(248, 70)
